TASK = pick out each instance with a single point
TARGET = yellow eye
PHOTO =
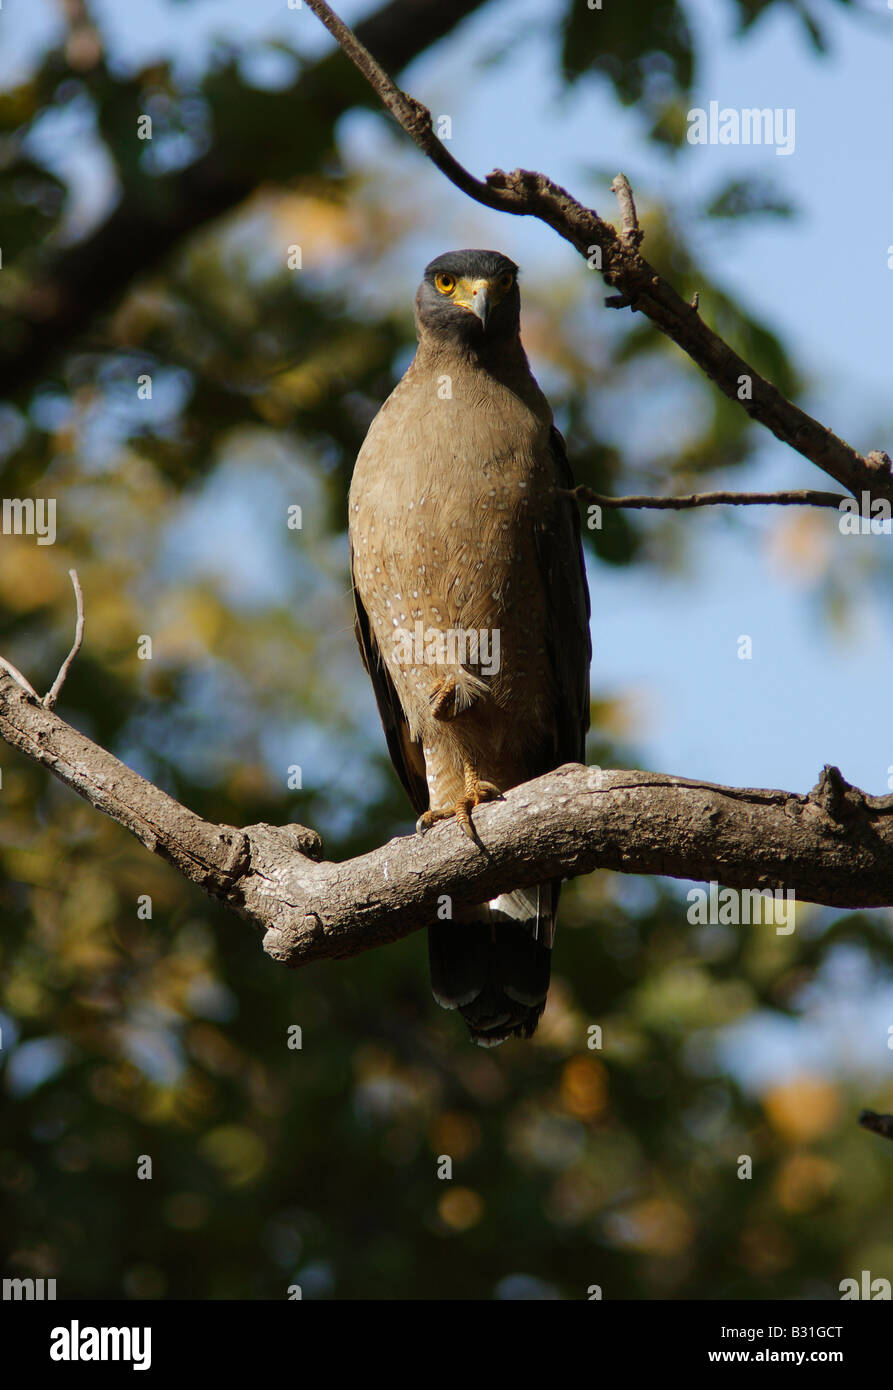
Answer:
(445, 283)
(506, 281)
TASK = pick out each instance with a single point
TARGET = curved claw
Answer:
(476, 794)
(429, 818)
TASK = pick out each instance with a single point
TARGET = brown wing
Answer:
(496, 970)
(406, 754)
(560, 551)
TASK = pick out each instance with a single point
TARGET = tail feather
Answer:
(493, 964)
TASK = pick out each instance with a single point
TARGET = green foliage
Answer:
(749, 198)
(642, 49)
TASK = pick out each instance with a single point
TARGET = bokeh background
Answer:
(167, 1037)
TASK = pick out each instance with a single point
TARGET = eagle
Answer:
(472, 609)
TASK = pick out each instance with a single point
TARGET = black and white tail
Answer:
(493, 963)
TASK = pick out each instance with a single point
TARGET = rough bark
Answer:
(834, 846)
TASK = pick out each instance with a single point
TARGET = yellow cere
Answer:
(465, 288)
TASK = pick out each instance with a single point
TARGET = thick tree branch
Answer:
(834, 846)
(528, 194)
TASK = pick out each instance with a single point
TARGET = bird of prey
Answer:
(472, 609)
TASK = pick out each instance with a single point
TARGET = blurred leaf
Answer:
(747, 198)
(646, 51)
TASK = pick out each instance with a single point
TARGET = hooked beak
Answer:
(476, 295)
(480, 302)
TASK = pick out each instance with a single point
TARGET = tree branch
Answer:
(526, 193)
(52, 694)
(805, 497)
(834, 846)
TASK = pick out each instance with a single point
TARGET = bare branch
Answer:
(834, 846)
(632, 234)
(409, 113)
(526, 193)
(52, 694)
(803, 498)
(18, 677)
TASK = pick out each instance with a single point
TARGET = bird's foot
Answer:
(444, 698)
(476, 793)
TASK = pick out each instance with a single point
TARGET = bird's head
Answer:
(469, 297)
